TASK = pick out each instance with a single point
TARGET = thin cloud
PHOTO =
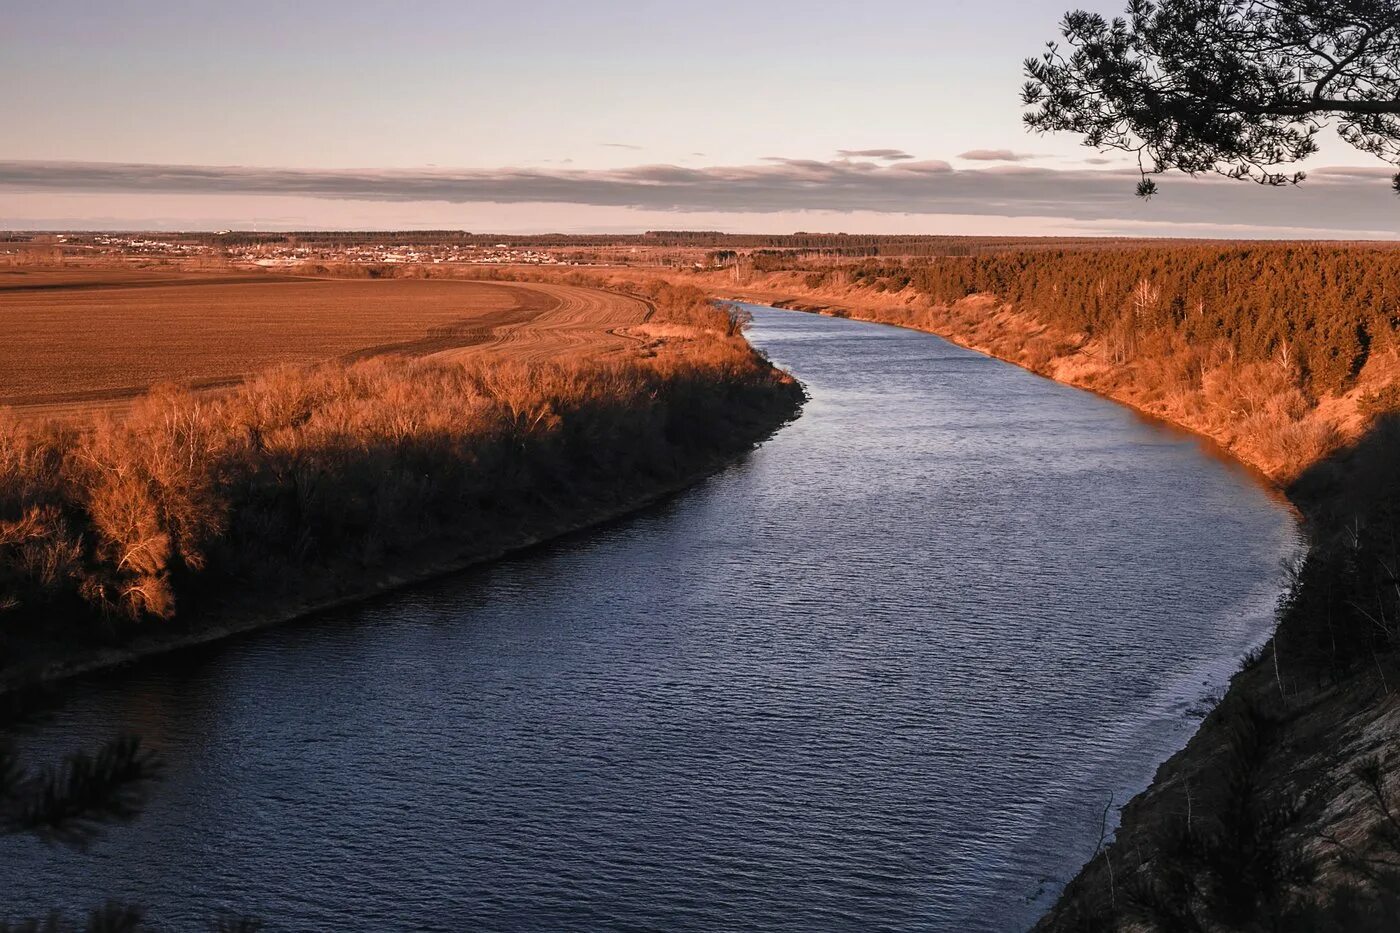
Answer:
(995, 155)
(623, 146)
(1352, 171)
(1341, 198)
(884, 155)
(926, 167)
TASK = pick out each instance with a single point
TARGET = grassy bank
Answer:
(1283, 813)
(198, 515)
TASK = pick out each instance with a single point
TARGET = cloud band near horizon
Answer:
(1342, 198)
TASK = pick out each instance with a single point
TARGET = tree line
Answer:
(1317, 309)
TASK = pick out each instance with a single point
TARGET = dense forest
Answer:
(1318, 310)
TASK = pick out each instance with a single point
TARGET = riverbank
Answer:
(1278, 812)
(706, 682)
(193, 518)
(50, 664)
(1288, 358)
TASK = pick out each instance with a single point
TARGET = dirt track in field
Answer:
(569, 321)
(72, 343)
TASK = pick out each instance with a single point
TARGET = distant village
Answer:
(293, 254)
(699, 250)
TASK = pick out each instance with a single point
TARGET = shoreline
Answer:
(1147, 810)
(1213, 446)
(1320, 735)
(422, 564)
(408, 571)
(749, 417)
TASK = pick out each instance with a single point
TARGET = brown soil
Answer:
(80, 340)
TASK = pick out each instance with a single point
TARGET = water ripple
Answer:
(882, 675)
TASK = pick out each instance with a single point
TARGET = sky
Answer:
(608, 116)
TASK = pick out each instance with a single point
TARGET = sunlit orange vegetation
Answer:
(1280, 352)
(1282, 809)
(302, 480)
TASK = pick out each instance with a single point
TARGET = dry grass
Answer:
(1259, 412)
(304, 475)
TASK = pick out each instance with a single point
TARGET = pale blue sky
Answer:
(553, 87)
(491, 84)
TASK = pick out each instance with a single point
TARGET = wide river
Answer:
(886, 672)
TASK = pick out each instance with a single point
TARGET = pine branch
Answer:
(70, 804)
(112, 917)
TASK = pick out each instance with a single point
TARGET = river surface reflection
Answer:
(884, 673)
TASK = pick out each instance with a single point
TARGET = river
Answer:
(886, 672)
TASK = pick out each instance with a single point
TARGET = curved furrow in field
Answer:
(578, 320)
(213, 335)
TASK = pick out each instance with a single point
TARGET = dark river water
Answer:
(884, 673)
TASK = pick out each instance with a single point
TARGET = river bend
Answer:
(884, 673)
